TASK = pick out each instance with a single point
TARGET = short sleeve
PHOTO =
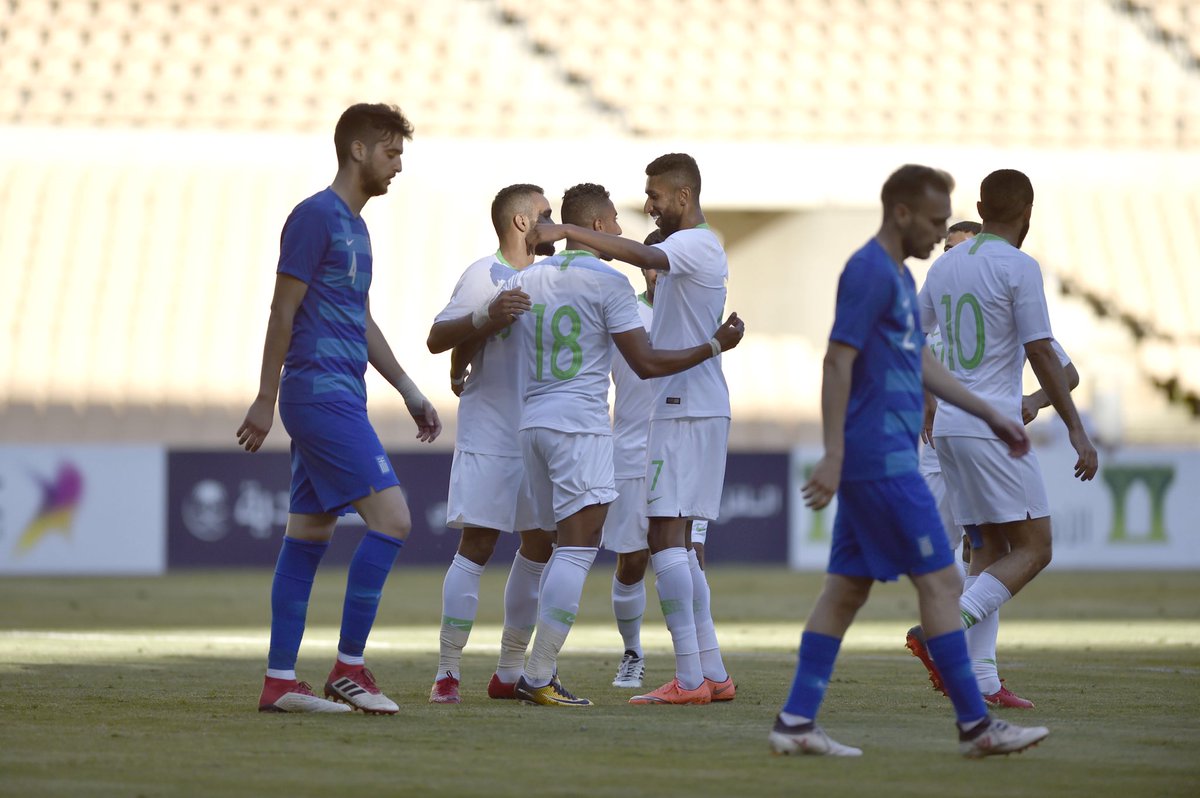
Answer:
(862, 299)
(620, 305)
(474, 289)
(303, 243)
(696, 254)
(1029, 303)
(1063, 359)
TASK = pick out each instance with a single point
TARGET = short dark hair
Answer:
(909, 183)
(680, 167)
(509, 201)
(583, 203)
(1004, 195)
(655, 237)
(359, 121)
(974, 228)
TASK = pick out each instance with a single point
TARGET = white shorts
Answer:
(685, 471)
(937, 486)
(699, 532)
(567, 471)
(489, 491)
(626, 526)
(987, 485)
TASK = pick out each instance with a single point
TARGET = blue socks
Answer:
(369, 569)
(949, 652)
(818, 652)
(290, 589)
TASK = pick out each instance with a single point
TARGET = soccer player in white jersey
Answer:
(581, 306)
(485, 496)
(987, 299)
(626, 525)
(689, 427)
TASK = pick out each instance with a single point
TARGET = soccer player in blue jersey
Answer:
(321, 336)
(887, 523)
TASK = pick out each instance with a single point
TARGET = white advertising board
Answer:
(82, 510)
(1142, 511)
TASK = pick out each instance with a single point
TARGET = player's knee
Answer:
(397, 528)
(631, 567)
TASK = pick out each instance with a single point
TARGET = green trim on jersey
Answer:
(982, 238)
(569, 255)
(501, 258)
(702, 226)
(642, 298)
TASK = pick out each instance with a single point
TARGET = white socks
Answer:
(674, 583)
(557, 609)
(981, 599)
(460, 601)
(981, 646)
(520, 616)
(706, 633)
(629, 605)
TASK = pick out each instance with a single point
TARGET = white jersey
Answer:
(929, 463)
(631, 409)
(565, 341)
(689, 302)
(987, 298)
(490, 405)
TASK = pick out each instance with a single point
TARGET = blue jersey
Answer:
(876, 314)
(328, 248)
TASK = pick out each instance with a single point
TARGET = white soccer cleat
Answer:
(806, 738)
(288, 695)
(995, 736)
(631, 671)
(356, 686)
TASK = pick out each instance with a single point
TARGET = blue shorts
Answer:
(336, 456)
(886, 528)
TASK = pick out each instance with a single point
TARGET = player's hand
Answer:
(508, 305)
(257, 424)
(822, 486)
(927, 427)
(1012, 433)
(1029, 409)
(730, 333)
(429, 426)
(1089, 461)
(457, 383)
(543, 233)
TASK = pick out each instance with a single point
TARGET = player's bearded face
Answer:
(662, 204)
(379, 169)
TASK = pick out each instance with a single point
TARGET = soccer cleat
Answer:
(1005, 698)
(914, 641)
(445, 691)
(552, 695)
(355, 685)
(721, 691)
(994, 736)
(672, 693)
(499, 689)
(806, 738)
(289, 695)
(631, 670)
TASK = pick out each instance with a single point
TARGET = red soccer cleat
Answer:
(1005, 698)
(355, 685)
(914, 641)
(501, 690)
(445, 691)
(289, 695)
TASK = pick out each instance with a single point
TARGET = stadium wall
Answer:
(143, 510)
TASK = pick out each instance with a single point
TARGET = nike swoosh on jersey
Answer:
(652, 501)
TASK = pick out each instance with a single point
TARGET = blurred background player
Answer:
(886, 522)
(486, 475)
(581, 307)
(987, 299)
(626, 525)
(321, 334)
(689, 426)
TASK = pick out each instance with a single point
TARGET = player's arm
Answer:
(942, 384)
(460, 361)
(930, 415)
(289, 293)
(1053, 379)
(1036, 401)
(836, 371)
(379, 355)
(616, 247)
(486, 320)
(647, 362)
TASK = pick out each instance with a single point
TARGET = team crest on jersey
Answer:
(382, 461)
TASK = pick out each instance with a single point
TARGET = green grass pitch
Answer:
(131, 687)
